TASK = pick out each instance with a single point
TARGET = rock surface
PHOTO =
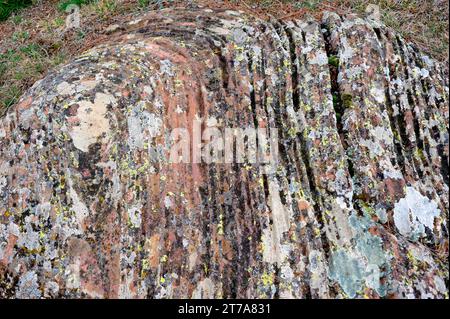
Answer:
(355, 207)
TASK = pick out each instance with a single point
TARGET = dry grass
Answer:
(424, 22)
(33, 40)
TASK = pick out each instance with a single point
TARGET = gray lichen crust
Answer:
(356, 207)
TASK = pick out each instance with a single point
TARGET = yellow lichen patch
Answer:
(267, 279)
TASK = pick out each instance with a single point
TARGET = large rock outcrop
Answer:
(355, 205)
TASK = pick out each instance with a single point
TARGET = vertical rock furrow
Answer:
(362, 83)
(424, 145)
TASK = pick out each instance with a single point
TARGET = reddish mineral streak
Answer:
(356, 206)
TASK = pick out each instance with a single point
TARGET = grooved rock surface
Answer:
(356, 205)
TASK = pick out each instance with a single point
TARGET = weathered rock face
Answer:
(356, 204)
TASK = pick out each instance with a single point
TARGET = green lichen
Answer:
(333, 60)
(347, 271)
(347, 100)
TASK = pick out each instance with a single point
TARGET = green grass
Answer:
(65, 3)
(104, 8)
(19, 68)
(334, 61)
(7, 7)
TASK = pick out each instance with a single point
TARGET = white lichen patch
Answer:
(378, 94)
(51, 289)
(382, 135)
(319, 272)
(204, 290)
(393, 173)
(339, 231)
(211, 122)
(65, 88)
(125, 291)
(92, 121)
(135, 130)
(86, 85)
(321, 58)
(73, 274)
(80, 209)
(29, 239)
(148, 90)
(134, 215)
(413, 213)
(273, 250)
(28, 286)
(3, 183)
(168, 202)
(139, 121)
(382, 215)
(347, 51)
(167, 68)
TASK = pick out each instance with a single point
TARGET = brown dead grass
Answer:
(34, 41)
